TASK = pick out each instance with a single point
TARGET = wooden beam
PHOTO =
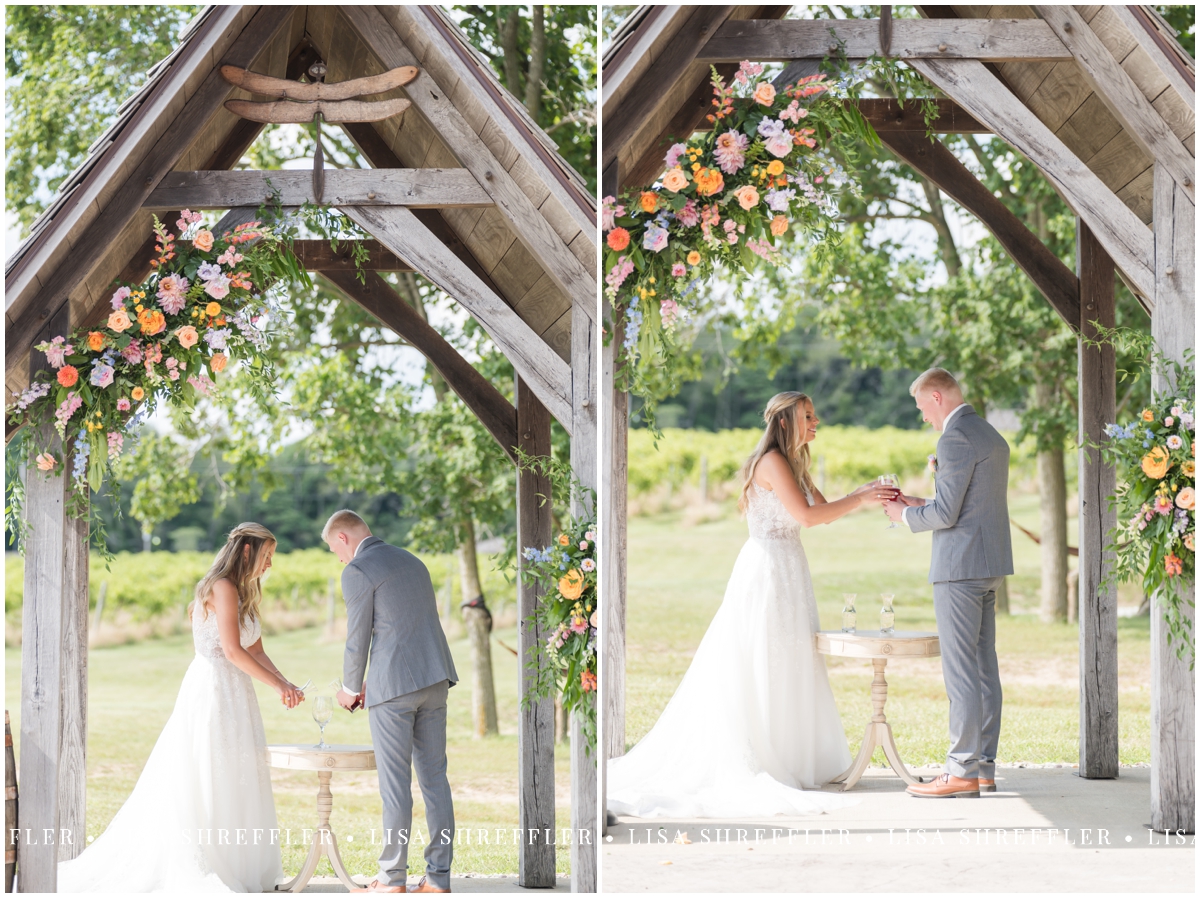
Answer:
(888, 115)
(1155, 46)
(535, 719)
(527, 223)
(90, 246)
(1119, 231)
(535, 362)
(377, 152)
(53, 741)
(377, 297)
(318, 255)
(656, 83)
(994, 40)
(425, 187)
(1098, 755)
(931, 158)
(1172, 684)
(1122, 96)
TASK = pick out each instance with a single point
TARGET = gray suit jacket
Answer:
(392, 615)
(969, 515)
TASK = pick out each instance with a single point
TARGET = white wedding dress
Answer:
(753, 724)
(202, 816)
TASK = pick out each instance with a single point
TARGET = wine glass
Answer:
(322, 713)
(893, 481)
(887, 615)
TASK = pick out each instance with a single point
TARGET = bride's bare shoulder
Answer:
(768, 469)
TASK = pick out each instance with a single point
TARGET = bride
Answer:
(202, 815)
(753, 728)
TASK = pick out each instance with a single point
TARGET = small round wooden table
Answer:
(879, 648)
(324, 761)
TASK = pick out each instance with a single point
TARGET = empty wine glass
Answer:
(322, 713)
(893, 481)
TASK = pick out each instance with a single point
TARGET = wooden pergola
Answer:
(464, 189)
(1102, 99)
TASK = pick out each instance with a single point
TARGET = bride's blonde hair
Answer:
(788, 434)
(235, 564)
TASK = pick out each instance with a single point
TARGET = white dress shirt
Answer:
(945, 423)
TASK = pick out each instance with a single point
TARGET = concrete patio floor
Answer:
(1044, 830)
(457, 884)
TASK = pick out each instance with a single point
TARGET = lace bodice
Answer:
(767, 517)
(207, 639)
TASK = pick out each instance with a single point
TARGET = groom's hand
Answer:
(348, 700)
(894, 509)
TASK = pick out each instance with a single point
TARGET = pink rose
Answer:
(747, 196)
(118, 298)
(187, 336)
(779, 145)
(119, 321)
(678, 270)
(122, 404)
(765, 93)
(203, 240)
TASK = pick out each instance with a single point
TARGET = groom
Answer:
(391, 613)
(972, 553)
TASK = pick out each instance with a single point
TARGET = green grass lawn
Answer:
(132, 690)
(677, 577)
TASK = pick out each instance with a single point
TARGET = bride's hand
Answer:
(873, 485)
(288, 693)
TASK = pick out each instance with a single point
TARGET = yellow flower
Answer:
(1188, 468)
(775, 167)
(570, 586)
(213, 309)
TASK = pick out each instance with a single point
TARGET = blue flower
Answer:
(633, 325)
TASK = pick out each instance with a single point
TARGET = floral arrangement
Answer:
(728, 198)
(168, 338)
(1155, 538)
(569, 614)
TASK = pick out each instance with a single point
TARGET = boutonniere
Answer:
(931, 460)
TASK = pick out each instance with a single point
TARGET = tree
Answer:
(161, 466)
(68, 69)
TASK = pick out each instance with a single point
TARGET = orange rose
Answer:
(95, 341)
(213, 309)
(203, 240)
(46, 462)
(138, 394)
(779, 225)
(119, 321)
(218, 362)
(765, 93)
(709, 181)
(1147, 415)
(775, 167)
(675, 180)
(1156, 463)
(152, 321)
(68, 375)
(747, 196)
(187, 336)
(564, 540)
(570, 586)
(649, 201)
(618, 239)
(693, 258)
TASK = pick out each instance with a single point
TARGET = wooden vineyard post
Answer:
(535, 721)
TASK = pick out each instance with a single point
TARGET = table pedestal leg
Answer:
(878, 733)
(324, 843)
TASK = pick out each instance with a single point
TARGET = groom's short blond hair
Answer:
(934, 379)
(344, 521)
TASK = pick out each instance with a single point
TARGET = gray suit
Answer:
(392, 619)
(972, 553)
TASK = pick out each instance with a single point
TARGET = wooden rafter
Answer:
(378, 298)
(420, 187)
(888, 115)
(527, 223)
(318, 255)
(535, 362)
(1057, 283)
(1119, 231)
(1122, 96)
(993, 40)
(90, 246)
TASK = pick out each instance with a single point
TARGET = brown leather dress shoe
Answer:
(425, 886)
(946, 786)
(987, 785)
(376, 886)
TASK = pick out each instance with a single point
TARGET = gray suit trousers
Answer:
(966, 623)
(411, 729)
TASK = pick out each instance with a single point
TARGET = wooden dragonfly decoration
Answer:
(317, 102)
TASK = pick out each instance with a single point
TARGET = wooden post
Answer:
(584, 786)
(11, 827)
(1097, 607)
(1172, 684)
(53, 667)
(535, 720)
